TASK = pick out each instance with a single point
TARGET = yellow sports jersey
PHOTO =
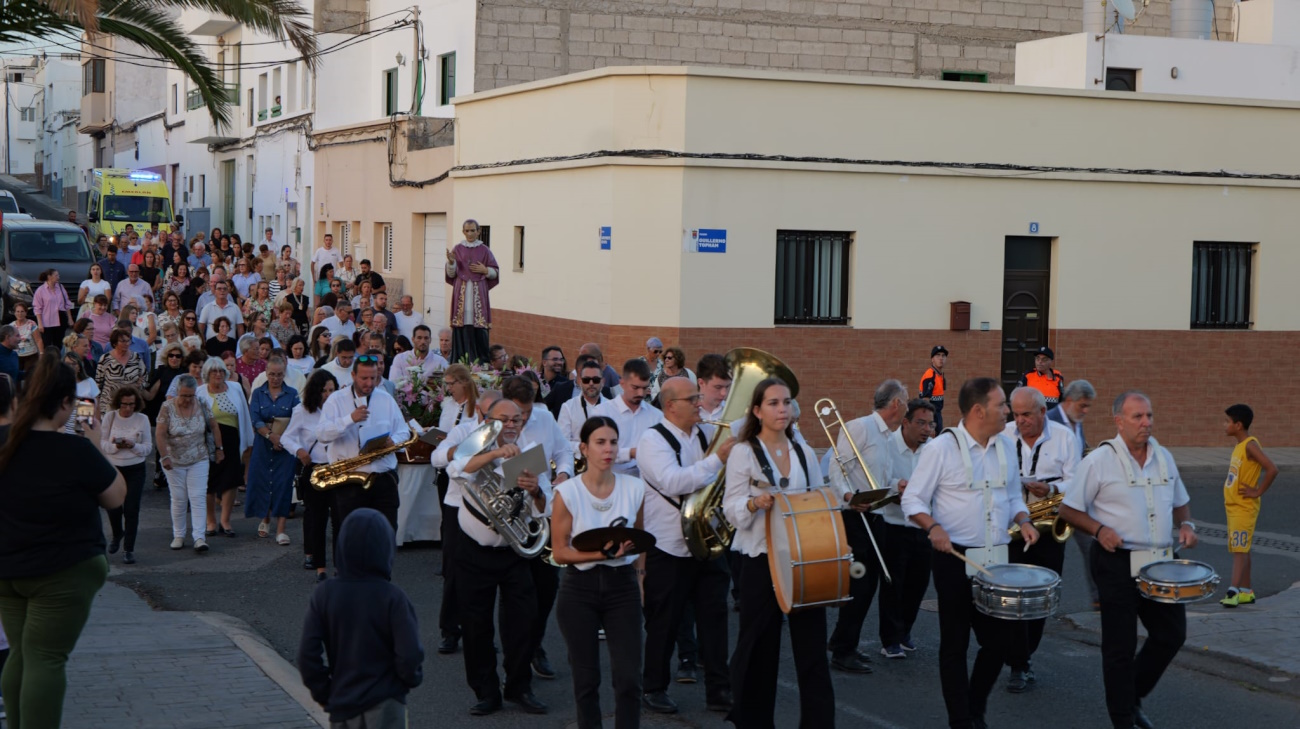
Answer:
(1243, 471)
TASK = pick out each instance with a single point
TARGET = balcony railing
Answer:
(275, 110)
(261, 115)
(194, 97)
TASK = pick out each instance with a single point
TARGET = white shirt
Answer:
(1053, 454)
(589, 513)
(135, 429)
(406, 323)
(631, 425)
(442, 455)
(659, 469)
(902, 461)
(942, 487)
(738, 424)
(746, 480)
(322, 256)
(1102, 488)
(477, 530)
(339, 328)
(871, 434)
(342, 374)
(403, 362)
(453, 413)
(541, 428)
(344, 436)
(302, 434)
(303, 366)
(573, 415)
(214, 311)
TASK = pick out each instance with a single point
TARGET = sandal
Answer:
(264, 529)
(282, 539)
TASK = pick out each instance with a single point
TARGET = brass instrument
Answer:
(707, 532)
(343, 473)
(506, 509)
(1046, 516)
(876, 496)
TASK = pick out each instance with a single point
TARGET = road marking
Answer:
(1283, 545)
(853, 711)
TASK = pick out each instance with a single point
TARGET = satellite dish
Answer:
(1124, 8)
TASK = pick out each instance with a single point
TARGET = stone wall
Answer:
(527, 40)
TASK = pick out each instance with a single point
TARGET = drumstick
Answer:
(971, 562)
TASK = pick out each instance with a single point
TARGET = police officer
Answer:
(933, 382)
(1045, 379)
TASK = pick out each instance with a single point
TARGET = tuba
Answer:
(1046, 517)
(505, 509)
(707, 532)
(343, 473)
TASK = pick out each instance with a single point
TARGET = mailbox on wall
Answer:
(959, 316)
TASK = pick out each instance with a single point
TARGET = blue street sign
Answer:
(710, 240)
(605, 237)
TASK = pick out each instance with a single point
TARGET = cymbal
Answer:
(594, 540)
(874, 497)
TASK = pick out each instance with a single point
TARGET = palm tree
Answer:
(150, 24)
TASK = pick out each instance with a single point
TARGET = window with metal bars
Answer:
(345, 239)
(812, 277)
(388, 246)
(1221, 285)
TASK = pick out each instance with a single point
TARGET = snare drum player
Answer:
(959, 496)
(1128, 495)
(1047, 454)
(767, 458)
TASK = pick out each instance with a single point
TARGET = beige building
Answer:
(1097, 223)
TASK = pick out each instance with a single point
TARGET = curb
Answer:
(276, 668)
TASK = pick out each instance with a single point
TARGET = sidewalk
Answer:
(139, 667)
(1216, 459)
(1264, 635)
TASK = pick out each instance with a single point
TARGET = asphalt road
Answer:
(265, 585)
(39, 206)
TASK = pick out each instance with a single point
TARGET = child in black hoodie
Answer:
(366, 627)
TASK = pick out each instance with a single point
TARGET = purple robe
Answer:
(481, 309)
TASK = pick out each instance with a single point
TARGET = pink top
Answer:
(103, 326)
(47, 303)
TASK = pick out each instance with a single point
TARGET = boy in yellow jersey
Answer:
(1241, 494)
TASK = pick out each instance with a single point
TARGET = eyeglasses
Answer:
(694, 399)
(656, 351)
(509, 421)
(189, 318)
(591, 380)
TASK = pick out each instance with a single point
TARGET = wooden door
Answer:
(1026, 277)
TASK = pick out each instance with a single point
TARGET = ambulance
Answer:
(120, 197)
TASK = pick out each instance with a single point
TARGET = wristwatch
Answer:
(221, 448)
(1189, 524)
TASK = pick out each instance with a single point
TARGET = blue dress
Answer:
(270, 472)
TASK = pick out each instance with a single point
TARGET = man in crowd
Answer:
(132, 289)
(933, 383)
(632, 413)
(221, 306)
(576, 410)
(217, 276)
(420, 356)
(907, 553)
(341, 365)
(1076, 401)
(199, 257)
(408, 318)
(367, 275)
(445, 343)
(341, 325)
(113, 270)
(321, 256)
(1043, 378)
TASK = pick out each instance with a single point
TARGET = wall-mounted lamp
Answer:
(401, 60)
(1173, 72)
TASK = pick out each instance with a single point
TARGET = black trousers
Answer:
(546, 580)
(688, 649)
(965, 695)
(318, 516)
(452, 536)
(848, 629)
(1129, 678)
(129, 511)
(755, 663)
(381, 496)
(589, 599)
(1029, 633)
(471, 341)
(907, 552)
(483, 574)
(671, 584)
(442, 482)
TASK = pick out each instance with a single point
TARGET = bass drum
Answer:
(808, 550)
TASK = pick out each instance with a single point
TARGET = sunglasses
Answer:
(591, 380)
(174, 355)
(368, 359)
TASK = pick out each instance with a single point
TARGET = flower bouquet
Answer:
(420, 398)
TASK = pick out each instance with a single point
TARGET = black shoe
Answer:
(115, 545)
(1140, 719)
(128, 557)
(528, 702)
(720, 701)
(1018, 683)
(862, 656)
(659, 702)
(542, 666)
(687, 672)
(309, 562)
(226, 532)
(1030, 678)
(485, 707)
(977, 722)
(850, 664)
(449, 645)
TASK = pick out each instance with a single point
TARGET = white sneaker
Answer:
(200, 545)
(178, 543)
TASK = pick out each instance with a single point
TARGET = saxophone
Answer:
(343, 473)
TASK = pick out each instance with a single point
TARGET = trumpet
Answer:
(1046, 516)
(876, 496)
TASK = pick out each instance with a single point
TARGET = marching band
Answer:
(675, 505)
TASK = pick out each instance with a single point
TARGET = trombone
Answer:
(876, 496)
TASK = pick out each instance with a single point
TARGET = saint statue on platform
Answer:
(472, 271)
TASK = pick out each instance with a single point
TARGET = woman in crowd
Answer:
(171, 364)
(600, 589)
(278, 284)
(149, 272)
(30, 343)
(366, 298)
(118, 368)
(192, 365)
(198, 286)
(53, 308)
(299, 358)
(230, 411)
(270, 469)
(250, 363)
(233, 378)
(299, 301)
(284, 327)
(168, 333)
(365, 322)
(86, 328)
(93, 286)
(178, 276)
(766, 458)
(190, 324)
(326, 274)
(301, 439)
(74, 356)
(401, 344)
(346, 273)
(52, 561)
(288, 262)
(171, 309)
(181, 434)
(265, 263)
(127, 440)
(144, 325)
(222, 342)
(103, 320)
(321, 343)
(673, 365)
(236, 244)
(214, 237)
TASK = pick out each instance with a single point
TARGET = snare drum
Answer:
(1017, 592)
(807, 550)
(1177, 581)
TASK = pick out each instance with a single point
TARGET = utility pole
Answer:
(416, 64)
(6, 121)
